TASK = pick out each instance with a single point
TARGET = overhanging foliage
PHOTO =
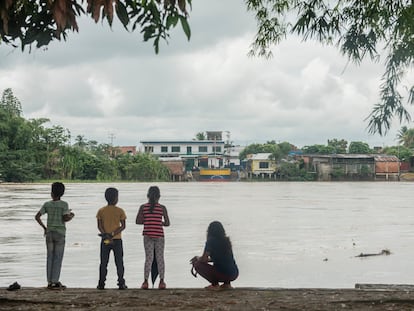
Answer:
(39, 22)
(359, 28)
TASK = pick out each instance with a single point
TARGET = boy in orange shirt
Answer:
(111, 222)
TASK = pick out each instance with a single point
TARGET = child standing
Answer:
(58, 213)
(153, 216)
(111, 222)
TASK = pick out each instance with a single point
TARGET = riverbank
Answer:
(179, 299)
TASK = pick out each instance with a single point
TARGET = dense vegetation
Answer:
(42, 21)
(288, 168)
(30, 151)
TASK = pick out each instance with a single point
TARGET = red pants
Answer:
(210, 273)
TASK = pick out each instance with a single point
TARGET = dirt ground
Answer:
(201, 299)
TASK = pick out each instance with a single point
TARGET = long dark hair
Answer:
(153, 196)
(216, 230)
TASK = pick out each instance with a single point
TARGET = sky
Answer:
(110, 86)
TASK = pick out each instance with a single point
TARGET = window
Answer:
(175, 149)
(188, 149)
(164, 148)
(149, 149)
(263, 164)
(202, 148)
(217, 149)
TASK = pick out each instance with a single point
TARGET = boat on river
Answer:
(215, 174)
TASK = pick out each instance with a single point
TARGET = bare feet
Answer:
(162, 285)
(144, 285)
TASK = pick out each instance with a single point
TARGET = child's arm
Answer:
(40, 222)
(166, 222)
(203, 258)
(68, 217)
(100, 226)
(140, 216)
(119, 229)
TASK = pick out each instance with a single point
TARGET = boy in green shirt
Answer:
(58, 213)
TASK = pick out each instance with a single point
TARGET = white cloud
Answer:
(104, 82)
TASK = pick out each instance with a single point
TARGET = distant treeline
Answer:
(30, 151)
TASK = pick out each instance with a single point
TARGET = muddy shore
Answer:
(179, 299)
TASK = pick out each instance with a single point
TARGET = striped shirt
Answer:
(153, 221)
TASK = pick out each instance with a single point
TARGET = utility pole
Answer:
(111, 137)
(227, 147)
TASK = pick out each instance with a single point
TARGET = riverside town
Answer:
(31, 151)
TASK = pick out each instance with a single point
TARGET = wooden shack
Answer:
(176, 167)
(387, 167)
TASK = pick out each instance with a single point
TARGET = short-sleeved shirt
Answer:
(222, 260)
(55, 211)
(111, 217)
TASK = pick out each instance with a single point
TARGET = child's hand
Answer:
(68, 217)
(106, 238)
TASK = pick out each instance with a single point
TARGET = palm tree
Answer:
(200, 136)
(401, 134)
(405, 137)
(80, 142)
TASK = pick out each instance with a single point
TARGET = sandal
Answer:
(14, 286)
(212, 287)
(57, 286)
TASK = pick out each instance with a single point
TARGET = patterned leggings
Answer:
(151, 244)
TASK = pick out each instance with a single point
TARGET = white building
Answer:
(197, 153)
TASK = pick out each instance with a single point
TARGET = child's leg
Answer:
(58, 250)
(103, 267)
(119, 261)
(149, 255)
(49, 259)
(207, 271)
(226, 279)
(159, 256)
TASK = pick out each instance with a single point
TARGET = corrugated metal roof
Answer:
(182, 142)
(260, 156)
(377, 157)
(340, 156)
(175, 167)
(171, 159)
(386, 158)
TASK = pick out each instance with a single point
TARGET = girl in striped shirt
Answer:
(154, 217)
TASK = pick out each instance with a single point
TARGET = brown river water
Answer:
(284, 234)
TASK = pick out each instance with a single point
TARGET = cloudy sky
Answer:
(103, 83)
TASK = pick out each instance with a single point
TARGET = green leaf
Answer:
(122, 13)
(172, 20)
(157, 45)
(148, 32)
(186, 26)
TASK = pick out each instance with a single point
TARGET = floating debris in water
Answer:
(383, 252)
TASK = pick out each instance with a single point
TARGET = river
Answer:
(284, 234)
